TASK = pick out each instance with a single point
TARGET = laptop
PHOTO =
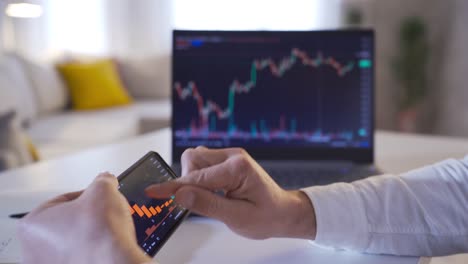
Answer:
(300, 102)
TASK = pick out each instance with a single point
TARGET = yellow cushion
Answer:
(94, 85)
(32, 149)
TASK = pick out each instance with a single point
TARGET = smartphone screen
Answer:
(155, 220)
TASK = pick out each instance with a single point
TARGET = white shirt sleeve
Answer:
(423, 212)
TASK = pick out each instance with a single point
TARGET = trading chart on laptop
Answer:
(300, 89)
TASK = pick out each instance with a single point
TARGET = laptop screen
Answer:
(295, 94)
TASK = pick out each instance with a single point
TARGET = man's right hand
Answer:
(253, 206)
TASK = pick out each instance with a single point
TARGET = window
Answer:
(78, 26)
(256, 14)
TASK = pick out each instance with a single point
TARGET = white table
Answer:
(202, 240)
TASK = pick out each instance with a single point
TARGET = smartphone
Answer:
(155, 220)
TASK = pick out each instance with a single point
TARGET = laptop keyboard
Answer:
(296, 177)
(304, 177)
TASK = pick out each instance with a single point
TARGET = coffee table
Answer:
(202, 240)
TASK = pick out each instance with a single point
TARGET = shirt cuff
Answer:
(340, 216)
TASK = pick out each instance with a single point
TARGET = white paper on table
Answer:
(10, 250)
(454, 259)
(13, 202)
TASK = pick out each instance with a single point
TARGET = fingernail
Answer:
(151, 188)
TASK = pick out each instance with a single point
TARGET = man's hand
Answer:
(92, 226)
(253, 206)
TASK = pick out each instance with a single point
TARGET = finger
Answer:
(103, 184)
(202, 157)
(207, 203)
(163, 190)
(107, 178)
(66, 197)
(214, 178)
(63, 198)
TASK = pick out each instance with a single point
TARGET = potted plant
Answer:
(410, 71)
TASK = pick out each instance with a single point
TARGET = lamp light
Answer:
(23, 10)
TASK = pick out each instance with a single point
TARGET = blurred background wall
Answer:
(433, 100)
(2, 7)
(445, 109)
(453, 92)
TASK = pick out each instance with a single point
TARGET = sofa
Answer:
(40, 100)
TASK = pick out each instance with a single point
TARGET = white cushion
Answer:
(153, 115)
(85, 127)
(153, 109)
(20, 94)
(51, 92)
(67, 132)
(146, 78)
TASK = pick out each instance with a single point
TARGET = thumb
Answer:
(207, 203)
